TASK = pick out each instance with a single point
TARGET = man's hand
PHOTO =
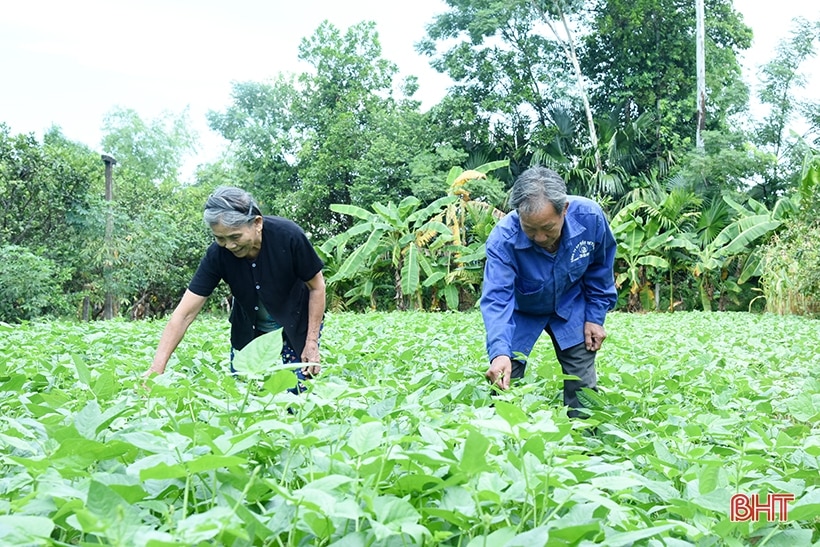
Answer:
(310, 356)
(499, 372)
(594, 336)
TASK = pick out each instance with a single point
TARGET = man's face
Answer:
(543, 226)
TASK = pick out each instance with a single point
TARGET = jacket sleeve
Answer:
(498, 301)
(599, 280)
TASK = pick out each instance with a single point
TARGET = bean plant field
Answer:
(400, 442)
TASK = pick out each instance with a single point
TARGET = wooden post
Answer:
(108, 308)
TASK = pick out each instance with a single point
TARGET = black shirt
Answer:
(276, 276)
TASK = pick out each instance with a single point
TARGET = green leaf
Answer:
(511, 413)
(261, 356)
(410, 271)
(355, 262)
(451, 297)
(474, 458)
(498, 537)
(352, 210)
(708, 477)
(435, 207)
(805, 407)
(807, 508)
(623, 539)
(492, 166)
(433, 279)
(25, 529)
(209, 462)
(366, 437)
(537, 537)
(654, 261)
(82, 369)
(105, 386)
(163, 471)
(281, 380)
(389, 214)
(408, 205)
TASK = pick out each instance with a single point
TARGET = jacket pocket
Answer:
(531, 297)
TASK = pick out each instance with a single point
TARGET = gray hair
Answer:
(231, 207)
(535, 187)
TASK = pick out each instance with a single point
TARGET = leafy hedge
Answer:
(30, 285)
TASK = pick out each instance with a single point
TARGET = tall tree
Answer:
(558, 9)
(344, 99)
(508, 67)
(149, 154)
(641, 57)
(260, 126)
(700, 56)
(781, 78)
(41, 186)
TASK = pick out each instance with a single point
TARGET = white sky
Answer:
(69, 62)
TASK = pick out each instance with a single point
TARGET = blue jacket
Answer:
(526, 288)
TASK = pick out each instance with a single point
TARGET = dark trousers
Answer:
(575, 361)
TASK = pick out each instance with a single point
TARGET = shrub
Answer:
(791, 275)
(30, 285)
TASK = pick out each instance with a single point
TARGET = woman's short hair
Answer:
(231, 207)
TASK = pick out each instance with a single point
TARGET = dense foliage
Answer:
(399, 442)
(31, 285)
(790, 280)
(603, 92)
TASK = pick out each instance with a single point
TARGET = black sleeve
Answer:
(207, 275)
(306, 263)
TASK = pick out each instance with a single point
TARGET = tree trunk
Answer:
(700, 62)
(400, 305)
(568, 45)
(705, 296)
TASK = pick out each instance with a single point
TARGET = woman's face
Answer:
(243, 241)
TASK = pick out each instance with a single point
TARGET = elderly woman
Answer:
(274, 274)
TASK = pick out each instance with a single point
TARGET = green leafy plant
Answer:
(400, 442)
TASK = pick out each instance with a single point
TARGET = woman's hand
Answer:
(311, 359)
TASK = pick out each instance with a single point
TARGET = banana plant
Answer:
(401, 233)
(737, 243)
(639, 245)
(459, 260)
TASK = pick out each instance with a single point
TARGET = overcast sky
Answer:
(69, 62)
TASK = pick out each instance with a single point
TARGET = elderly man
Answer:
(549, 268)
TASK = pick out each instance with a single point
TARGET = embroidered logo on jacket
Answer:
(582, 250)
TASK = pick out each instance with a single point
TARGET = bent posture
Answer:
(274, 274)
(549, 268)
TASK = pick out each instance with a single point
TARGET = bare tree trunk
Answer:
(400, 304)
(701, 73)
(657, 295)
(568, 45)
